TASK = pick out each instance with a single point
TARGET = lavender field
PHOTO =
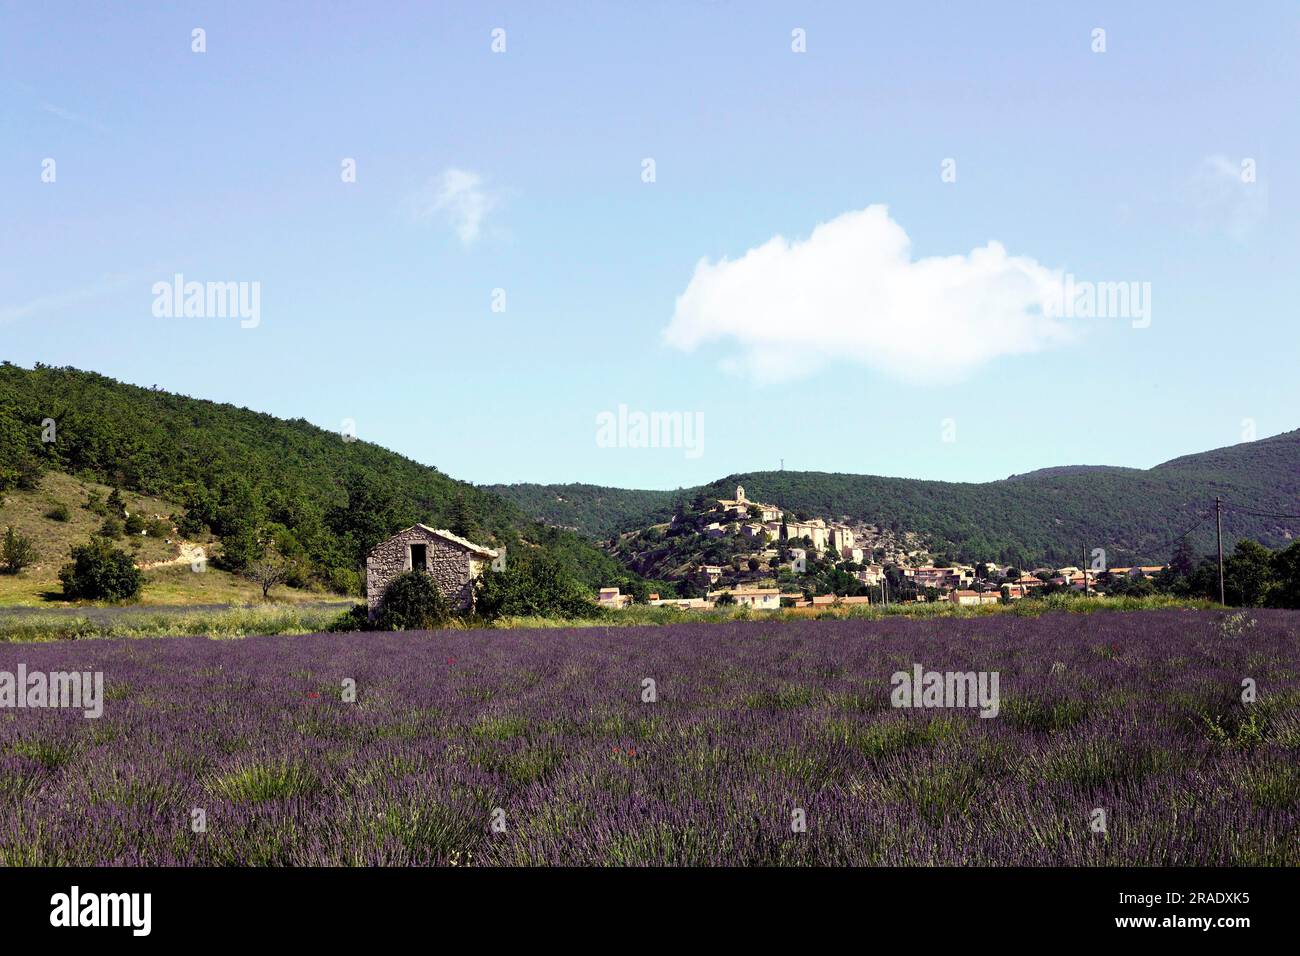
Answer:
(547, 733)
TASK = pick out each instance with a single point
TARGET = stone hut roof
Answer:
(454, 539)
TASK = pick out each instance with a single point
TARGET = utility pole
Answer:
(1218, 528)
(1085, 570)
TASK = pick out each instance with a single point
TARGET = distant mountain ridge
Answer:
(1042, 517)
(1060, 470)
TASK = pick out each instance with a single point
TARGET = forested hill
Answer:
(1042, 517)
(247, 475)
(594, 510)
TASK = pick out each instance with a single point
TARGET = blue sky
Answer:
(523, 171)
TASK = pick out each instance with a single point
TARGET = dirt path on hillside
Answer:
(190, 553)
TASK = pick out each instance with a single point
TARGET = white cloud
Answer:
(458, 196)
(1227, 196)
(852, 291)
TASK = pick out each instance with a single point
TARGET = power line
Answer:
(1261, 514)
(1204, 518)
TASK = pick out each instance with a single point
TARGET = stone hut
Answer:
(453, 562)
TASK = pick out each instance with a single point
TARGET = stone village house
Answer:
(453, 562)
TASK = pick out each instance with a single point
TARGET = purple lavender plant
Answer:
(540, 747)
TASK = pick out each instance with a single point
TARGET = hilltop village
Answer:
(735, 551)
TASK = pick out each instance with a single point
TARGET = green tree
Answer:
(534, 583)
(235, 513)
(1203, 582)
(269, 570)
(370, 516)
(1286, 574)
(463, 520)
(637, 587)
(16, 553)
(1183, 561)
(200, 512)
(240, 549)
(1124, 586)
(100, 572)
(1248, 575)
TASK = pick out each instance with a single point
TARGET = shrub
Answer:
(191, 525)
(345, 581)
(25, 475)
(100, 571)
(134, 524)
(30, 473)
(58, 513)
(353, 619)
(535, 584)
(16, 553)
(413, 602)
(111, 528)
